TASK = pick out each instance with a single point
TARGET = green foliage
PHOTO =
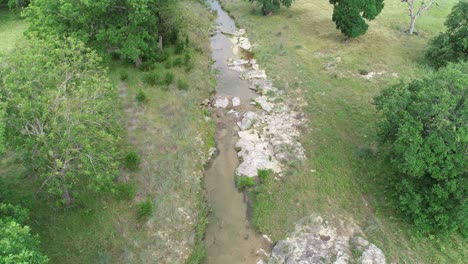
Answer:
(349, 15)
(123, 75)
(125, 191)
(17, 245)
(182, 84)
(2, 129)
(178, 62)
(244, 182)
(168, 78)
(269, 6)
(452, 45)
(425, 122)
(141, 96)
(17, 5)
(263, 175)
(132, 160)
(130, 27)
(60, 115)
(145, 208)
(152, 78)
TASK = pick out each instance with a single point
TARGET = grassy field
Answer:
(11, 29)
(345, 174)
(170, 133)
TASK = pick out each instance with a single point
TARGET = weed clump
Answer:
(132, 160)
(178, 62)
(145, 208)
(141, 96)
(125, 191)
(168, 78)
(151, 78)
(123, 75)
(263, 175)
(244, 182)
(182, 84)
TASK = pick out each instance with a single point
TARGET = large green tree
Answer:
(60, 115)
(452, 45)
(17, 245)
(425, 123)
(131, 28)
(269, 6)
(349, 15)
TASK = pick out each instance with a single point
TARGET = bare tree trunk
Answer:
(412, 24)
(67, 197)
(138, 62)
(414, 15)
(160, 42)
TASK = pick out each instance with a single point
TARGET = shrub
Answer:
(263, 175)
(152, 78)
(178, 62)
(187, 58)
(141, 96)
(132, 160)
(169, 63)
(424, 123)
(182, 84)
(244, 182)
(179, 47)
(169, 78)
(145, 208)
(123, 75)
(125, 191)
(452, 45)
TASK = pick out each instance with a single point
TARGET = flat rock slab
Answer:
(317, 241)
(221, 102)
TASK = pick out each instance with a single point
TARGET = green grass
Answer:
(305, 55)
(11, 29)
(170, 133)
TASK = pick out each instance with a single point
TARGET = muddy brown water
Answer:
(229, 238)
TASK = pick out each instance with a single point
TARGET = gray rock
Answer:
(221, 102)
(255, 74)
(248, 120)
(235, 101)
(263, 102)
(317, 241)
(244, 43)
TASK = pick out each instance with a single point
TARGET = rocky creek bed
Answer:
(264, 129)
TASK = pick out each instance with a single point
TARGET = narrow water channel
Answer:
(230, 238)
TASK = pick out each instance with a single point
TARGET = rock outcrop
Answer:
(316, 241)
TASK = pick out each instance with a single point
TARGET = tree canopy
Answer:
(60, 115)
(349, 15)
(452, 45)
(425, 123)
(130, 28)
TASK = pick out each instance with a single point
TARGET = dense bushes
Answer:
(452, 45)
(425, 124)
(269, 6)
(17, 245)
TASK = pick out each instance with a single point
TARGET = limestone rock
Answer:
(264, 104)
(317, 241)
(244, 43)
(221, 102)
(255, 154)
(248, 120)
(255, 74)
(235, 101)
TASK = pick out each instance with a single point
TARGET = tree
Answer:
(452, 45)
(130, 28)
(414, 13)
(268, 6)
(425, 124)
(2, 129)
(349, 15)
(60, 115)
(17, 245)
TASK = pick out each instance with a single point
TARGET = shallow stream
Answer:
(230, 238)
